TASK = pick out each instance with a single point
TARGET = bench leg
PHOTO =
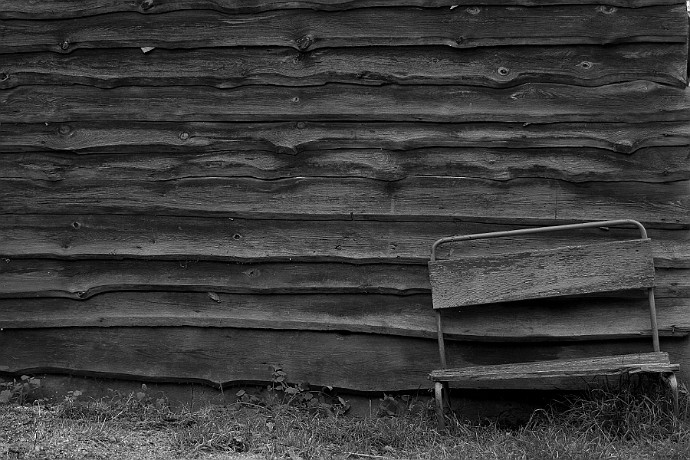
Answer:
(672, 383)
(438, 393)
(446, 391)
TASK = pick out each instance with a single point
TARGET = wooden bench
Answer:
(563, 271)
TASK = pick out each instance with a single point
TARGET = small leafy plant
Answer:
(18, 390)
(299, 395)
(403, 405)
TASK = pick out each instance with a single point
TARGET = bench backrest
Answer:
(563, 271)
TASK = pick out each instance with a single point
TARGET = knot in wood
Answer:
(76, 225)
(473, 10)
(4, 76)
(503, 71)
(286, 150)
(184, 136)
(301, 125)
(303, 43)
(64, 45)
(295, 99)
(146, 5)
(624, 146)
(607, 9)
(64, 130)
(586, 65)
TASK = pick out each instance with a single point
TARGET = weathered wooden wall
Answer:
(263, 187)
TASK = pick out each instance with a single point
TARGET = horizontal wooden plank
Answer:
(85, 278)
(571, 270)
(308, 29)
(565, 319)
(419, 198)
(190, 238)
(584, 164)
(13, 9)
(409, 316)
(364, 362)
(591, 364)
(232, 67)
(294, 137)
(634, 102)
(554, 374)
(616, 364)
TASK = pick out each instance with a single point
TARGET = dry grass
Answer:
(603, 425)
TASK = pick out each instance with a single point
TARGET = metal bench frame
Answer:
(440, 388)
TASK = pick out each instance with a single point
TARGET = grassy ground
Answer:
(304, 425)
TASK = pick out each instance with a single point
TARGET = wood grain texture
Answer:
(419, 198)
(674, 282)
(13, 9)
(190, 238)
(363, 362)
(234, 209)
(233, 67)
(584, 164)
(555, 375)
(294, 137)
(589, 364)
(309, 29)
(633, 102)
(83, 279)
(407, 316)
(571, 270)
(86, 278)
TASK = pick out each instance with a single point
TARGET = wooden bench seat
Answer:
(570, 374)
(471, 282)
